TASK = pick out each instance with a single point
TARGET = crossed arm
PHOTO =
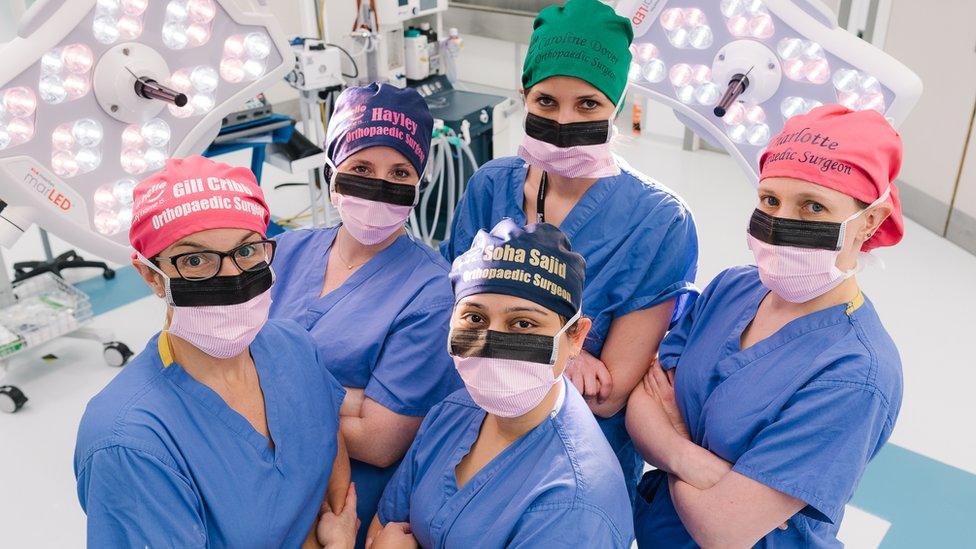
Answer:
(718, 506)
(631, 344)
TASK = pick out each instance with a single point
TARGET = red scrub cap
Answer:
(190, 195)
(855, 152)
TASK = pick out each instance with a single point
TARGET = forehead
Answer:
(566, 86)
(785, 187)
(498, 303)
(211, 239)
(378, 155)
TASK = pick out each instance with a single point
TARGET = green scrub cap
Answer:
(584, 39)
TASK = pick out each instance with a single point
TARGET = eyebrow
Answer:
(811, 196)
(198, 246)
(524, 309)
(589, 96)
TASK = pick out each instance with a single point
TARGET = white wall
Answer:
(938, 45)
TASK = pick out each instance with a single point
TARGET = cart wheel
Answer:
(117, 354)
(11, 399)
(108, 274)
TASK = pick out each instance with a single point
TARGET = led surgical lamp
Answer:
(95, 95)
(735, 70)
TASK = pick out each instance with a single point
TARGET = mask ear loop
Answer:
(333, 171)
(611, 124)
(555, 338)
(843, 225)
(167, 295)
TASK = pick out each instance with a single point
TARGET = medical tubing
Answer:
(436, 149)
(445, 153)
(452, 190)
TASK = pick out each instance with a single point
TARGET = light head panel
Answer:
(76, 135)
(735, 70)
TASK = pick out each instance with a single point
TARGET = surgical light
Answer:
(96, 95)
(735, 70)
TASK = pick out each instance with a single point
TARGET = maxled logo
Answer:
(43, 186)
(642, 13)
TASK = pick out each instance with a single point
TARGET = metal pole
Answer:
(6, 289)
(844, 14)
(311, 132)
(872, 21)
(46, 243)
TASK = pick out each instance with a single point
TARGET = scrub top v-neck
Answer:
(162, 460)
(558, 485)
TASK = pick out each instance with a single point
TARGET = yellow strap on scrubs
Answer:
(165, 350)
(855, 304)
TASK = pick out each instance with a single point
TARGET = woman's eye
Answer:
(360, 169)
(245, 251)
(546, 101)
(815, 207)
(589, 104)
(401, 174)
(473, 318)
(524, 324)
(770, 201)
(194, 261)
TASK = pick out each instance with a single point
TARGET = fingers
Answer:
(350, 504)
(606, 384)
(590, 383)
(659, 376)
(647, 382)
(577, 380)
(654, 384)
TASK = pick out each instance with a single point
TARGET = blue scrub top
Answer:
(384, 330)
(556, 486)
(802, 411)
(637, 236)
(162, 461)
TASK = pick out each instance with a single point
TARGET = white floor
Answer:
(926, 297)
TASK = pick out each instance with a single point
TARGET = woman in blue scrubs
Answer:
(198, 443)
(376, 302)
(781, 381)
(516, 458)
(637, 236)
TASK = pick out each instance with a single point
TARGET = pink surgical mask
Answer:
(222, 331)
(591, 161)
(507, 375)
(368, 221)
(797, 274)
(371, 209)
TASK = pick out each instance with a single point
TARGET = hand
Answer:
(660, 385)
(395, 535)
(590, 376)
(338, 530)
(352, 405)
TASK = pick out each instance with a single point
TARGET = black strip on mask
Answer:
(779, 231)
(376, 190)
(220, 290)
(567, 135)
(492, 344)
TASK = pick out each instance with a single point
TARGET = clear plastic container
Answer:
(45, 307)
